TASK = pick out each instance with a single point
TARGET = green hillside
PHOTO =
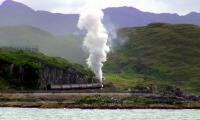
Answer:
(161, 54)
(21, 70)
(68, 47)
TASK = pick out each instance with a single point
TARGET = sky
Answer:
(181, 7)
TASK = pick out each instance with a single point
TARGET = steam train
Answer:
(76, 86)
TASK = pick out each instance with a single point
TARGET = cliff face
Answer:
(19, 77)
(55, 76)
(26, 77)
(31, 72)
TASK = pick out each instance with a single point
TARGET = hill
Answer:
(57, 24)
(17, 14)
(68, 47)
(31, 70)
(160, 54)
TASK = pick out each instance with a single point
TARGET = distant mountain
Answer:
(26, 36)
(132, 17)
(16, 14)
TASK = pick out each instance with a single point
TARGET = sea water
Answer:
(78, 114)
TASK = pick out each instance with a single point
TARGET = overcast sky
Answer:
(181, 7)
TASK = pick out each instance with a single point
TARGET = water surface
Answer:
(77, 114)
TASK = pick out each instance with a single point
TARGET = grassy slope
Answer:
(157, 54)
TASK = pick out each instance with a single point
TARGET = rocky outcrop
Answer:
(55, 76)
(19, 76)
(162, 93)
(27, 77)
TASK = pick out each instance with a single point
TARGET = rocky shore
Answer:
(97, 101)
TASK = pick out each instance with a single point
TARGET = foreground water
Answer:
(77, 114)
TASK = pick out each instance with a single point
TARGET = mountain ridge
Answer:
(65, 24)
(58, 24)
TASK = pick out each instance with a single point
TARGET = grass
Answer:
(120, 82)
(32, 58)
(99, 100)
(157, 54)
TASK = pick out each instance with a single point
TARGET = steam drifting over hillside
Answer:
(95, 40)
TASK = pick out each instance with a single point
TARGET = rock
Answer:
(26, 77)
(193, 98)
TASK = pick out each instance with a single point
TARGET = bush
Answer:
(98, 99)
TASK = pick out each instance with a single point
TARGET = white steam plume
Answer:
(95, 40)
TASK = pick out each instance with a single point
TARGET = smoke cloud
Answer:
(95, 40)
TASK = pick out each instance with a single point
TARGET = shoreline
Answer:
(111, 107)
(69, 101)
(83, 101)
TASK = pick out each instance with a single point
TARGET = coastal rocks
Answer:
(162, 93)
(172, 91)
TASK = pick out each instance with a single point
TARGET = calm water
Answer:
(77, 114)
